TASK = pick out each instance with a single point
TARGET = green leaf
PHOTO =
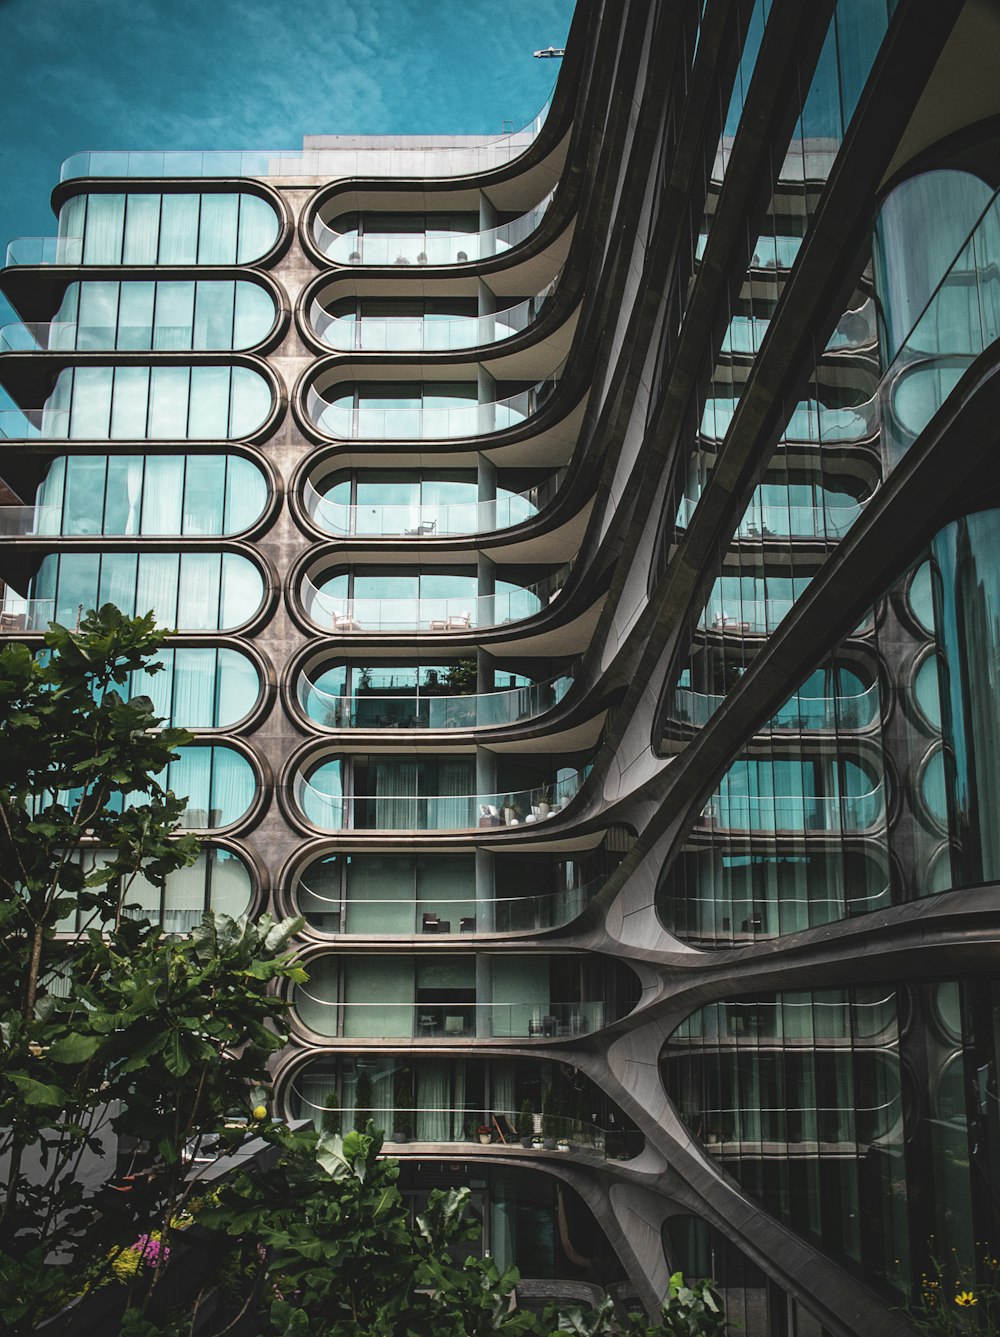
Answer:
(34, 1092)
(74, 1048)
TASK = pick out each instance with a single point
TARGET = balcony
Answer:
(796, 813)
(436, 615)
(45, 424)
(17, 614)
(810, 422)
(450, 1020)
(414, 413)
(329, 811)
(798, 715)
(420, 519)
(762, 520)
(424, 333)
(44, 251)
(429, 247)
(439, 914)
(427, 709)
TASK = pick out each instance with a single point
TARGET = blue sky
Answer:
(221, 74)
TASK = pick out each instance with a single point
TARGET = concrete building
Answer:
(584, 548)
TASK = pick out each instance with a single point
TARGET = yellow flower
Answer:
(260, 1112)
(965, 1298)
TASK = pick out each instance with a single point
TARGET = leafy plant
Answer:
(107, 1023)
(526, 1119)
(952, 1301)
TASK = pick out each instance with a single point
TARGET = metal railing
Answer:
(62, 335)
(429, 710)
(438, 812)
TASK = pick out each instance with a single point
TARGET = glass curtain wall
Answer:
(156, 403)
(202, 314)
(142, 228)
(151, 494)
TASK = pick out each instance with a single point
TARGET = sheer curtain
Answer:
(380, 896)
(233, 786)
(451, 809)
(157, 586)
(194, 687)
(396, 807)
(434, 1122)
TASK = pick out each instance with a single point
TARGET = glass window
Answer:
(179, 229)
(142, 230)
(219, 224)
(213, 322)
(174, 315)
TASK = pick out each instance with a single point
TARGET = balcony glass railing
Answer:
(461, 155)
(448, 1020)
(44, 251)
(425, 333)
(798, 714)
(763, 520)
(448, 915)
(427, 248)
(425, 710)
(428, 519)
(436, 1124)
(19, 614)
(796, 812)
(458, 613)
(440, 812)
(755, 617)
(34, 424)
(812, 422)
(25, 521)
(463, 418)
(70, 335)
(855, 329)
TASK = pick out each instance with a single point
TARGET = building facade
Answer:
(584, 551)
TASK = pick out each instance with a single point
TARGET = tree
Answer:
(107, 1024)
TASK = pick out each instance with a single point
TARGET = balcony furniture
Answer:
(346, 621)
(488, 815)
(550, 1026)
(467, 924)
(13, 621)
(535, 1026)
(427, 1023)
(454, 622)
(423, 528)
(431, 924)
(723, 622)
(454, 1025)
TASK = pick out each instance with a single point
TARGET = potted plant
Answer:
(507, 810)
(485, 1134)
(403, 1130)
(550, 1120)
(362, 1100)
(545, 800)
(562, 1144)
(330, 1121)
(526, 1123)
